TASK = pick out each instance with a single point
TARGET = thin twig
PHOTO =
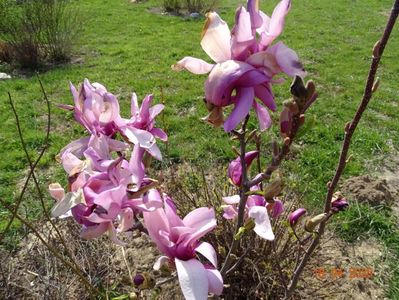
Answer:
(56, 253)
(243, 197)
(349, 130)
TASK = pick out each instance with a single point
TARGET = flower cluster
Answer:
(109, 190)
(246, 63)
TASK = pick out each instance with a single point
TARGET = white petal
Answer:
(209, 252)
(216, 38)
(193, 279)
(263, 227)
(163, 260)
(70, 200)
(193, 65)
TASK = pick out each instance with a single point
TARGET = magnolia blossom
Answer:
(178, 239)
(98, 111)
(244, 65)
(140, 129)
(257, 209)
(234, 170)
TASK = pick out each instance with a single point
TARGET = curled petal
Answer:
(161, 261)
(215, 281)
(56, 191)
(209, 252)
(193, 65)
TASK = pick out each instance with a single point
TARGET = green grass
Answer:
(127, 48)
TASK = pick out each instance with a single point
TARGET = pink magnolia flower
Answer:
(95, 108)
(178, 239)
(244, 65)
(296, 215)
(140, 129)
(255, 208)
(234, 170)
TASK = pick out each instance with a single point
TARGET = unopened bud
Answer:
(376, 85)
(287, 141)
(311, 223)
(273, 189)
(143, 281)
(338, 202)
(295, 216)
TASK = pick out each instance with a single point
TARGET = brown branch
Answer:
(349, 130)
(243, 197)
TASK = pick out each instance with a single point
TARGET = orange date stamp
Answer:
(349, 273)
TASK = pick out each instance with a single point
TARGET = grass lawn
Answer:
(127, 48)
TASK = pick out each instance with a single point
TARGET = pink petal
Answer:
(134, 106)
(216, 38)
(229, 212)
(56, 191)
(137, 136)
(193, 65)
(278, 17)
(127, 220)
(265, 23)
(208, 252)
(136, 167)
(263, 92)
(193, 279)
(156, 110)
(215, 281)
(91, 232)
(245, 97)
(288, 60)
(253, 9)
(232, 199)
(263, 116)
(155, 152)
(156, 222)
(159, 133)
(263, 227)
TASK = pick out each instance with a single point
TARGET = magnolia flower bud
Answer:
(311, 223)
(339, 204)
(143, 281)
(296, 215)
(235, 170)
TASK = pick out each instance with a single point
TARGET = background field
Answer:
(127, 47)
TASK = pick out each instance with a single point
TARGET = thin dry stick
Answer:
(76, 270)
(349, 130)
(243, 197)
(32, 166)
